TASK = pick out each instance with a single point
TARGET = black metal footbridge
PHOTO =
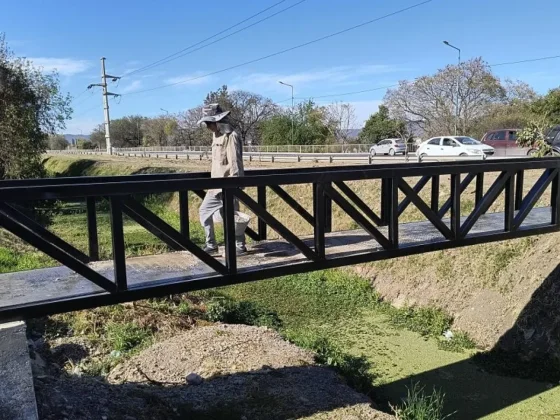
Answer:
(451, 221)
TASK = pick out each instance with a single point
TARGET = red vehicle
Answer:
(504, 141)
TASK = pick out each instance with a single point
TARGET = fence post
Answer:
(519, 189)
(555, 200)
(385, 201)
(509, 206)
(393, 211)
(455, 205)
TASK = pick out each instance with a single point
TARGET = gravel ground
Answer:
(236, 372)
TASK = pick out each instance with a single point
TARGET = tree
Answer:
(190, 132)
(127, 131)
(248, 110)
(97, 137)
(381, 126)
(548, 106)
(310, 126)
(428, 103)
(341, 118)
(31, 107)
(84, 144)
(57, 142)
(160, 131)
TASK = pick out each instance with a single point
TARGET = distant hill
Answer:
(354, 132)
(72, 138)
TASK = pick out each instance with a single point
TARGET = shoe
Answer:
(241, 250)
(211, 249)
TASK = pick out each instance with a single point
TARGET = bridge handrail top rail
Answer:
(80, 180)
(126, 186)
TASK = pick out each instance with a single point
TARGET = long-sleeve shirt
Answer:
(227, 156)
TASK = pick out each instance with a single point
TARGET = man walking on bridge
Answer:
(227, 161)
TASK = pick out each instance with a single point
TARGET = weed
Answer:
(428, 321)
(458, 343)
(419, 406)
(229, 311)
(355, 369)
(125, 337)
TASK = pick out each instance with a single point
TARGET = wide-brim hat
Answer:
(213, 113)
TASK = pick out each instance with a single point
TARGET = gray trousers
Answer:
(210, 205)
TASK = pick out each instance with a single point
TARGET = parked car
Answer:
(388, 147)
(553, 139)
(505, 143)
(454, 146)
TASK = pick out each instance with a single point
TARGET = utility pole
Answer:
(458, 81)
(286, 84)
(106, 95)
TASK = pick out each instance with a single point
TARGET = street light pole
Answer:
(458, 81)
(286, 84)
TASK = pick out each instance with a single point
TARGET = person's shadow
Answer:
(523, 364)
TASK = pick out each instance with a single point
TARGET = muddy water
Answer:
(402, 357)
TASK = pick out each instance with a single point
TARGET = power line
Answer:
(80, 94)
(526, 61)
(170, 57)
(229, 35)
(287, 49)
(86, 111)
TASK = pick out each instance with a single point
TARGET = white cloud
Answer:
(191, 79)
(135, 85)
(341, 75)
(64, 66)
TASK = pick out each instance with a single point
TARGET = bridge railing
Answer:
(444, 222)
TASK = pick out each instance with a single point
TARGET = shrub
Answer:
(229, 311)
(419, 406)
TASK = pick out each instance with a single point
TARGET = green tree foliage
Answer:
(127, 131)
(548, 107)
(381, 126)
(310, 127)
(97, 137)
(57, 142)
(31, 107)
(84, 144)
(161, 131)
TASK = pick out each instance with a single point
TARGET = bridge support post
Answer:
(435, 194)
(392, 210)
(184, 213)
(93, 241)
(119, 262)
(555, 201)
(456, 205)
(319, 211)
(479, 191)
(385, 201)
(261, 224)
(509, 206)
(519, 189)
(328, 211)
(229, 231)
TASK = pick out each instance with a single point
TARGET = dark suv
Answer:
(553, 138)
(504, 141)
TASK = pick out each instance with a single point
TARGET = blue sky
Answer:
(71, 36)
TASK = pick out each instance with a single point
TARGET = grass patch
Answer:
(421, 406)
(458, 343)
(12, 260)
(428, 322)
(126, 337)
(223, 309)
(357, 370)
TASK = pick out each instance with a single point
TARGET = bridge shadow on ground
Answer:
(523, 364)
(275, 394)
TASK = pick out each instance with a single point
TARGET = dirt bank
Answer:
(235, 372)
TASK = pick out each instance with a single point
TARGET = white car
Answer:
(388, 147)
(454, 146)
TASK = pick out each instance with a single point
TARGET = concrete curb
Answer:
(17, 394)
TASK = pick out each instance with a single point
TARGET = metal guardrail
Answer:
(328, 186)
(283, 156)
